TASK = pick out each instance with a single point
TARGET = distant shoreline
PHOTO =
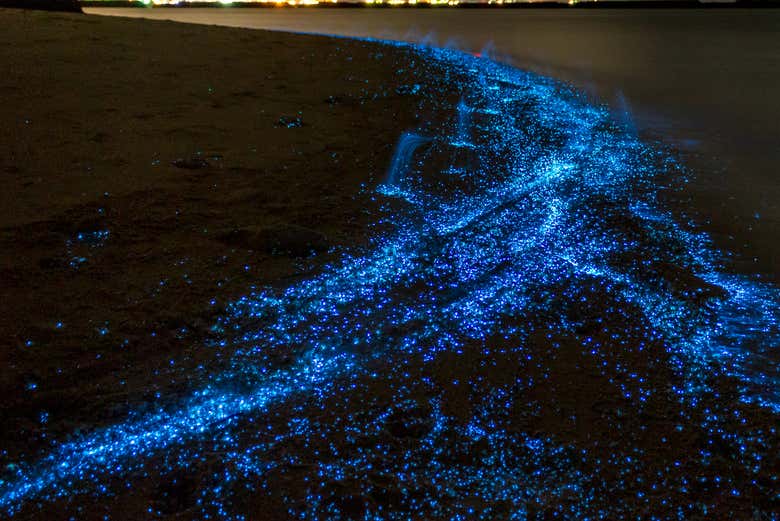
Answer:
(75, 5)
(609, 4)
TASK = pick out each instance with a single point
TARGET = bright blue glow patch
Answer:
(531, 214)
(92, 238)
(402, 157)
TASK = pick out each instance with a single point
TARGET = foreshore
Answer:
(263, 275)
(725, 131)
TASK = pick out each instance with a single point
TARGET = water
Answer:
(464, 123)
(704, 81)
(407, 145)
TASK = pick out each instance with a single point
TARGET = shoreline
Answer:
(500, 297)
(722, 132)
(588, 5)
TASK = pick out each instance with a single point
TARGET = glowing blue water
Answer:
(402, 159)
(552, 214)
(463, 128)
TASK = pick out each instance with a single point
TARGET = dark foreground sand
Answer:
(278, 137)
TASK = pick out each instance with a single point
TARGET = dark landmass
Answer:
(43, 5)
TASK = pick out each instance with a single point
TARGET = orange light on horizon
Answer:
(310, 2)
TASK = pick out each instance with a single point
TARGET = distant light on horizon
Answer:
(393, 3)
(368, 2)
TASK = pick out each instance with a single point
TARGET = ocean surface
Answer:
(704, 82)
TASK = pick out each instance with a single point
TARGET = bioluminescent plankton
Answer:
(530, 234)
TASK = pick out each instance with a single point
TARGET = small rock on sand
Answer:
(289, 122)
(194, 163)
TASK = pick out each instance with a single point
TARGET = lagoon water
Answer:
(704, 82)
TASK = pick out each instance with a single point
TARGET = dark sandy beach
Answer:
(258, 275)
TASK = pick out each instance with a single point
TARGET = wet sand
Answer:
(152, 173)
